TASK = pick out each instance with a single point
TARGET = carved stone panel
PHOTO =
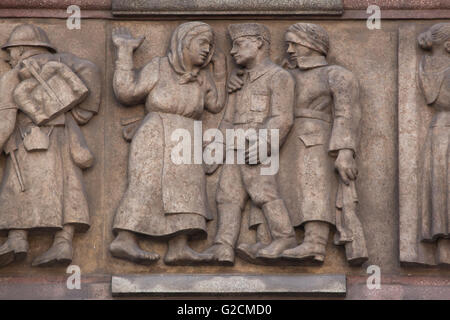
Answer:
(51, 97)
(423, 159)
(253, 229)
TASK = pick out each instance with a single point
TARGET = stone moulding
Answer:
(226, 7)
(188, 284)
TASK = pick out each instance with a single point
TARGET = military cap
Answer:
(248, 29)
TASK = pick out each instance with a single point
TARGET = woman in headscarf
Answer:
(434, 80)
(164, 199)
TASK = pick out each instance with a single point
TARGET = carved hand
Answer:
(236, 80)
(346, 165)
(122, 37)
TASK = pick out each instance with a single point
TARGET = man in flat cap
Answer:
(327, 115)
(265, 101)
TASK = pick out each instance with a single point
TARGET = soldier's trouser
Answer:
(239, 182)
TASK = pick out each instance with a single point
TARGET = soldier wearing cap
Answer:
(265, 101)
(42, 185)
(327, 115)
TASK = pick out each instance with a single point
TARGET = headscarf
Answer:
(433, 69)
(181, 37)
(311, 36)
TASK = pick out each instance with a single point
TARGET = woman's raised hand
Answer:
(122, 37)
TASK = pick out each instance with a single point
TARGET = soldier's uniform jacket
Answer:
(327, 115)
(328, 93)
(264, 102)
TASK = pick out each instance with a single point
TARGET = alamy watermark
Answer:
(374, 20)
(74, 280)
(74, 20)
(250, 146)
(374, 280)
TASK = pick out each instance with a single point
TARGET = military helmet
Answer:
(28, 35)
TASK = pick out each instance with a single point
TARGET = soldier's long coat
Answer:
(54, 193)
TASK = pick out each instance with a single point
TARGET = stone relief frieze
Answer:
(309, 99)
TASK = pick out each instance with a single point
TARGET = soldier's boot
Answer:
(314, 244)
(179, 252)
(60, 252)
(281, 229)
(15, 248)
(125, 246)
(249, 251)
(222, 251)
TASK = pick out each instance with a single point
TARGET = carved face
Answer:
(296, 50)
(199, 48)
(245, 50)
(14, 54)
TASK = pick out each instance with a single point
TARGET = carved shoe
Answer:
(59, 253)
(306, 251)
(248, 251)
(276, 248)
(221, 253)
(14, 249)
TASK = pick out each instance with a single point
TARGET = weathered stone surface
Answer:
(397, 4)
(57, 4)
(226, 7)
(186, 284)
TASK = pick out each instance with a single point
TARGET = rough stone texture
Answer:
(345, 4)
(397, 4)
(184, 284)
(57, 4)
(225, 7)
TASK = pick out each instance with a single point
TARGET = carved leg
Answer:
(228, 228)
(314, 244)
(15, 248)
(179, 252)
(125, 246)
(281, 229)
(61, 250)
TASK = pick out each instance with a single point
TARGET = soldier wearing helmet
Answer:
(42, 185)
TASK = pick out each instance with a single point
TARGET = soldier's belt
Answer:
(313, 114)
